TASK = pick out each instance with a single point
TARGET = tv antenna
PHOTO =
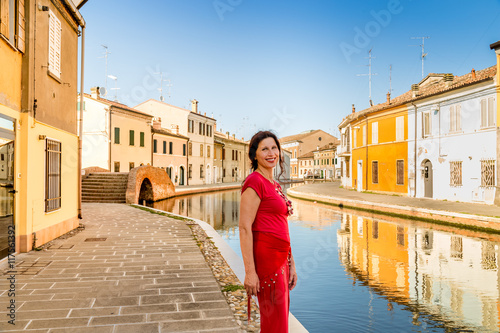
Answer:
(114, 78)
(423, 52)
(370, 74)
(106, 52)
(390, 79)
(162, 99)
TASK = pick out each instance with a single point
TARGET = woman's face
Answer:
(267, 153)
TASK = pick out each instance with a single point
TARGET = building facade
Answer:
(235, 166)
(324, 161)
(38, 121)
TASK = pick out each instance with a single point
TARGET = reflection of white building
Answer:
(7, 162)
(454, 137)
(455, 276)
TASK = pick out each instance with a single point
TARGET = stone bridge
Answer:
(148, 183)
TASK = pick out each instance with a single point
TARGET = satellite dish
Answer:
(102, 91)
(162, 99)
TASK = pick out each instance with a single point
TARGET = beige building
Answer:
(324, 161)
(201, 147)
(115, 136)
(38, 121)
(306, 165)
(218, 161)
(235, 165)
(171, 117)
(300, 144)
(170, 153)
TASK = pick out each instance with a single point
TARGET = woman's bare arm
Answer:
(249, 205)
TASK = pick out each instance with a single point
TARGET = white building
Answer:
(452, 137)
(344, 152)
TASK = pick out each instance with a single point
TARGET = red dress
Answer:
(271, 250)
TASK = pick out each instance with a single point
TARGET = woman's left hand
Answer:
(293, 277)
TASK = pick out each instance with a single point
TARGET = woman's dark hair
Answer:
(254, 143)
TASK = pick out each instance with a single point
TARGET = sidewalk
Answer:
(128, 271)
(195, 189)
(461, 214)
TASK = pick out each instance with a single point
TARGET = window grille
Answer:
(190, 150)
(400, 172)
(456, 247)
(208, 151)
(52, 175)
(201, 149)
(456, 173)
(400, 235)
(488, 256)
(488, 173)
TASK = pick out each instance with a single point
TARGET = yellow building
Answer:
(38, 121)
(496, 47)
(380, 148)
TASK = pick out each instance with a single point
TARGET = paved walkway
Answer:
(128, 271)
(409, 205)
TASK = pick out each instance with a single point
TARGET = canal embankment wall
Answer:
(196, 189)
(465, 215)
(233, 260)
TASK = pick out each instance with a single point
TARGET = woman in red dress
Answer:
(264, 239)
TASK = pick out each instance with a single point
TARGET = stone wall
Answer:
(154, 182)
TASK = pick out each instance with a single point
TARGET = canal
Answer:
(365, 273)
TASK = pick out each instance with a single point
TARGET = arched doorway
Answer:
(208, 178)
(146, 192)
(427, 165)
(181, 175)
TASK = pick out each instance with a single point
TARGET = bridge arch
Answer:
(148, 183)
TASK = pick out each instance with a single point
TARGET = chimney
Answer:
(388, 98)
(353, 109)
(234, 136)
(156, 123)
(94, 92)
(227, 134)
(205, 114)
(473, 72)
(194, 106)
(414, 89)
(448, 79)
(174, 129)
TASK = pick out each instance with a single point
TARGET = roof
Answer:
(297, 137)
(328, 146)
(427, 90)
(167, 132)
(495, 45)
(307, 155)
(225, 136)
(117, 105)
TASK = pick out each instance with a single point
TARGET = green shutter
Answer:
(184, 150)
(155, 145)
(117, 135)
(142, 139)
(131, 137)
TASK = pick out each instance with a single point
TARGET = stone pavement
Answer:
(128, 271)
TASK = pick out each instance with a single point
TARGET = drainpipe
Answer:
(366, 167)
(152, 146)
(415, 157)
(80, 126)
(110, 136)
(187, 161)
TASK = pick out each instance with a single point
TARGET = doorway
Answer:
(7, 191)
(428, 179)
(181, 175)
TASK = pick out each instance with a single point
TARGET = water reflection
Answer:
(375, 273)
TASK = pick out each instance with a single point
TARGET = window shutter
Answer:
(21, 24)
(452, 119)
(458, 117)
(491, 113)
(4, 18)
(374, 133)
(54, 45)
(484, 113)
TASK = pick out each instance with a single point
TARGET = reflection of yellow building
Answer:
(38, 115)
(380, 149)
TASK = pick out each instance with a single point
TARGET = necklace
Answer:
(279, 191)
(270, 180)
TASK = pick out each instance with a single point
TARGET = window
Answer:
(347, 170)
(131, 165)
(200, 131)
(183, 149)
(426, 124)
(201, 149)
(54, 44)
(117, 166)
(374, 133)
(375, 172)
(141, 139)
(224, 172)
(400, 236)
(132, 137)
(223, 153)
(208, 151)
(190, 171)
(164, 147)
(201, 171)
(400, 128)
(52, 175)
(170, 147)
(12, 24)
(456, 173)
(117, 135)
(375, 229)
(456, 247)
(488, 173)
(455, 118)
(204, 126)
(155, 146)
(488, 112)
(191, 126)
(190, 149)
(364, 135)
(400, 164)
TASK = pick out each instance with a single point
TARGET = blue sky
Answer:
(288, 66)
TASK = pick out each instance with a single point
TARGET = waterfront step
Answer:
(109, 187)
